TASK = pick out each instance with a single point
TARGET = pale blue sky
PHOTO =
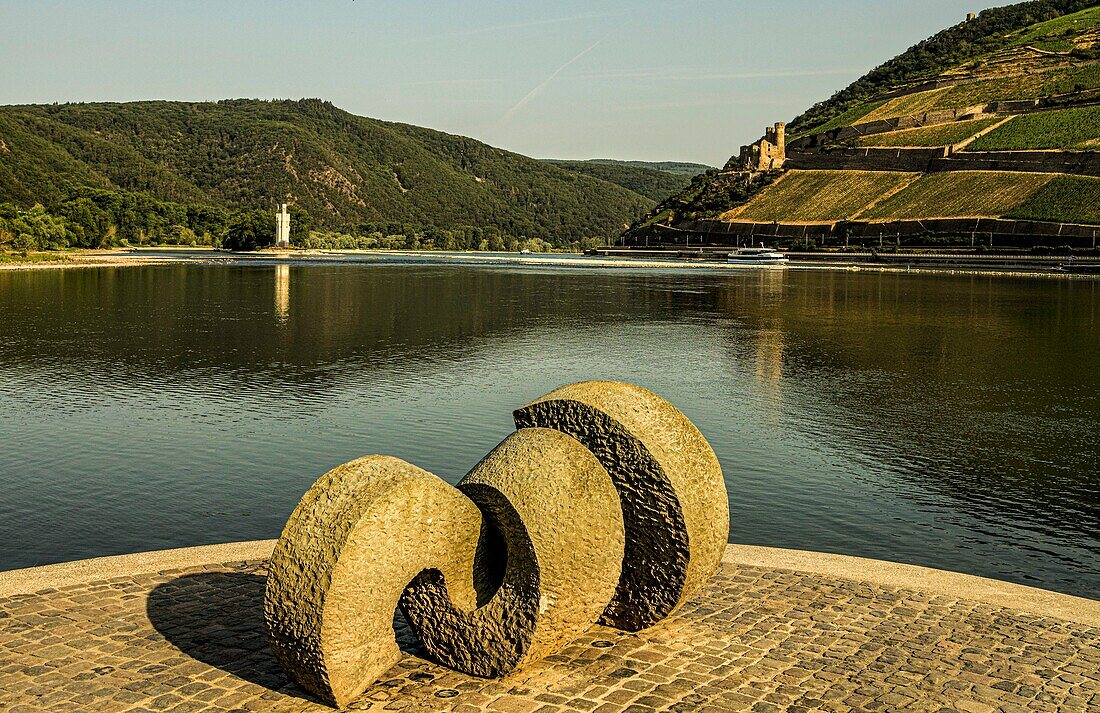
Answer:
(682, 80)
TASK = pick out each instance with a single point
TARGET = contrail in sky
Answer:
(542, 85)
(499, 28)
(687, 74)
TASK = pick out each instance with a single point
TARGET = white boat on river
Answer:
(757, 256)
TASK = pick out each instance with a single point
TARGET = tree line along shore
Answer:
(99, 219)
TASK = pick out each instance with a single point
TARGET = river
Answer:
(942, 420)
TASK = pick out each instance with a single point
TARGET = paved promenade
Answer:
(758, 638)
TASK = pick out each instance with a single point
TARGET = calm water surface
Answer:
(945, 421)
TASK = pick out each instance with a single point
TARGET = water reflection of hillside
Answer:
(983, 389)
(248, 320)
(972, 401)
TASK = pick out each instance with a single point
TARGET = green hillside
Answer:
(993, 30)
(685, 168)
(653, 183)
(1012, 97)
(1069, 129)
(344, 170)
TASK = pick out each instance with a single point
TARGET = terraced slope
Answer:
(1052, 83)
(908, 105)
(969, 50)
(819, 196)
(995, 118)
(962, 194)
(1071, 199)
(1069, 129)
(939, 135)
(1060, 34)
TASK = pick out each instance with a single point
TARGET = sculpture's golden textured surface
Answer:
(355, 540)
(606, 505)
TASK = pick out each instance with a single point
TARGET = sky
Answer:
(680, 80)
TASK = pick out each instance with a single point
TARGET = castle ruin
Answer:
(767, 154)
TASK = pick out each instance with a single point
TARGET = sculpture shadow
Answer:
(218, 618)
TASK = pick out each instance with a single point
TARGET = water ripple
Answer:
(940, 421)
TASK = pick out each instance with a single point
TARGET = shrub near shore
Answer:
(33, 258)
(105, 219)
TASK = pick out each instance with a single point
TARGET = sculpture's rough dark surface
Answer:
(606, 505)
(670, 484)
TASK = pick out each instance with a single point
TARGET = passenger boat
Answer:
(756, 256)
(1079, 268)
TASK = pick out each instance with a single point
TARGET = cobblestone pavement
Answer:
(755, 639)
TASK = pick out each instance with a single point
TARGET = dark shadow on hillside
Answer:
(217, 618)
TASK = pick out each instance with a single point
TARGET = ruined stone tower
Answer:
(767, 154)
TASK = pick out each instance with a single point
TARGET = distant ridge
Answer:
(345, 170)
(680, 167)
(655, 180)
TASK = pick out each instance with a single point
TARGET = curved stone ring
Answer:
(606, 505)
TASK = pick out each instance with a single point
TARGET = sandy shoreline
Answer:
(73, 264)
(199, 256)
(88, 258)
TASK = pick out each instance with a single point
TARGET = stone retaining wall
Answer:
(914, 160)
(1083, 163)
(982, 231)
(921, 160)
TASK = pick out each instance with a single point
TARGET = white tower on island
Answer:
(282, 228)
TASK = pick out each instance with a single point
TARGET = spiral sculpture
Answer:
(606, 505)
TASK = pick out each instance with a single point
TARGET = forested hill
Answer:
(684, 168)
(640, 177)
(993, 29)
(344, 170)
(995, 119)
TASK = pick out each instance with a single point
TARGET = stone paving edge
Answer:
(64, 574)
(860, 569)
(922, 579)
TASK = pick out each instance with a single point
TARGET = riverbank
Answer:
(200, 256)
(773, 629)
(70, 259)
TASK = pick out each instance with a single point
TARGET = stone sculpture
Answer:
(606, 504)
